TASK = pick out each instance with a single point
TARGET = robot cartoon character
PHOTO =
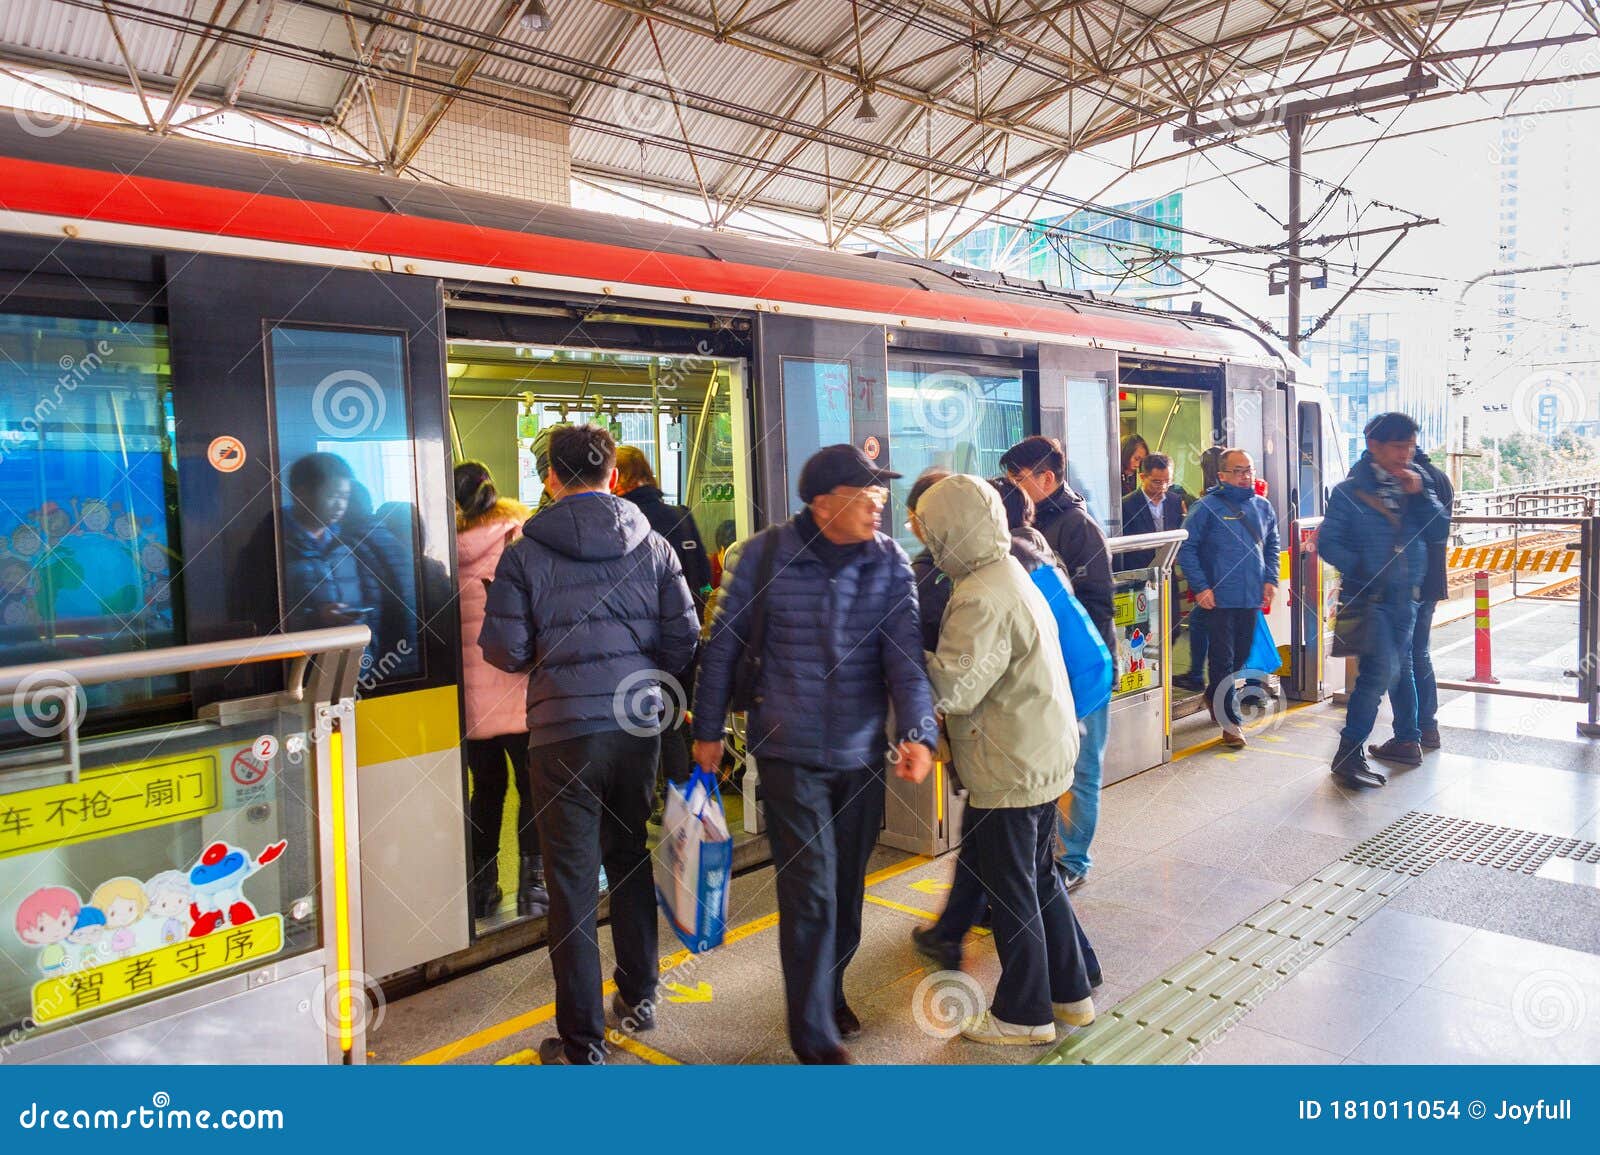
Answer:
(217, 881)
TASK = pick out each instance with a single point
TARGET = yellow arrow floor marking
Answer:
(700, 993)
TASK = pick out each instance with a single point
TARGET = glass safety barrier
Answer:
(185, 893)
(1139, 733)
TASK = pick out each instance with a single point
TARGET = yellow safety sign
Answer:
(77, 992)
(110, 801)
(1504, 558)
(930, 886)
(1133, 680)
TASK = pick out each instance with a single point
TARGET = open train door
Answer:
(1253, 420)
(1313, 586)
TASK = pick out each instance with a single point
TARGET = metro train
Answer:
(189, 332)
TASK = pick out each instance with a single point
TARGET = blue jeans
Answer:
(1075, 829)
(1385, 668)
(1422, 670)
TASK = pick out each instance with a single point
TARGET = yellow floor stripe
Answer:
(490, 1035)
(1210, 742)
(915, 912)
(634, 1047)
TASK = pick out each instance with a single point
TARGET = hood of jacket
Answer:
(1029, 547)
(1233, 494)
(644, 494)
(965, 523)
(479, 545)
(589, 526)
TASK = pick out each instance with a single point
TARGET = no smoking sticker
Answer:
(248, 768)
(226, 454)
(871, 448)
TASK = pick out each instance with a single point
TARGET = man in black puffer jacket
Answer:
(593, 604)
(841, 644)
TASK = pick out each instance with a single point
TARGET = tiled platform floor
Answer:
(1183, 853)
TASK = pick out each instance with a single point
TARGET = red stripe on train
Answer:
(92, 194)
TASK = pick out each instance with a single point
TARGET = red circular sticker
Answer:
(870, 447)
(226, 454)
(247, 769)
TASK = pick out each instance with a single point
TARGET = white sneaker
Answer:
(1078, 1014)
(985, 1028)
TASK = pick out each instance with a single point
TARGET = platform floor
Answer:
(1467, 963)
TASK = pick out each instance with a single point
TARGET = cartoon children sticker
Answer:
(45, 919)
(88, 935)
(166, 919)
(123, 901)
(218, 879)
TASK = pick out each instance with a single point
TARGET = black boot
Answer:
(484, 890)
(1351, 767)
(533, 900)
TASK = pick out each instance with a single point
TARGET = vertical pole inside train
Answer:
(1296, 126)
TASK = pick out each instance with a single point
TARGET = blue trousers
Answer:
(1385, 668)
(1422, 670)
(1075, 828)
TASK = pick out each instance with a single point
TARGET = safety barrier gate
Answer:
(1139, 727)
(187, 893)
(1586, 547)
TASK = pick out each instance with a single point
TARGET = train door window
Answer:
(1174, 422)
(818, 407)
(949, 415)
(1246, 426)
(1088, 445)
(88, 496)
(1308, 478)
(347, 522)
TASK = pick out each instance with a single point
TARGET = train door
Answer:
(1312, 675)
(684, 413)
(1254, 420)
(1168, 409)
(317, 397)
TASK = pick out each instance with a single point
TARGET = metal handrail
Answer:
(185, 659)
(1146, 540)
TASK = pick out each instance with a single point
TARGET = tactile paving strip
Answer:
(1415, 841)
(1174, 1017)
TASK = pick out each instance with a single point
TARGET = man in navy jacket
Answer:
(1231, 563)
(593, 605)
(1382, 521)
(842, 644)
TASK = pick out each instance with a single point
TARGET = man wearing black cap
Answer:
(1381, 521)
(839, 645)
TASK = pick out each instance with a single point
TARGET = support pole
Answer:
(1483, 663)
(1296, 126)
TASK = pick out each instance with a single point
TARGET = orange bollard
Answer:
(1483, 665)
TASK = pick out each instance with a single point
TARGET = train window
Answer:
(1089, 466)
(88, 543)
(1309, 478)
(818, 404)
(952, 416)
(347, 526)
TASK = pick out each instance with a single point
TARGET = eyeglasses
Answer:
(1241, 470)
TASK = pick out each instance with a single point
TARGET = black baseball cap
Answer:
(835, 465)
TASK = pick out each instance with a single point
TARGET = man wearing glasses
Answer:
(1231, 563)
(840, 644)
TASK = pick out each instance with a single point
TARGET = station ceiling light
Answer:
(866, 113)
(536, 17)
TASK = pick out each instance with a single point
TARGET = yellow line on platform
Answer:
(642, 1050)
(490, 1035)
(1210, 742)
(915, 912)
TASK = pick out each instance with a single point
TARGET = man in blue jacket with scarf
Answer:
(841, 644)
(1380, 523)
(1231, 563)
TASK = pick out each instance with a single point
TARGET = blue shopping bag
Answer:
(1090, 669)
(694, 862)
(1263, 650)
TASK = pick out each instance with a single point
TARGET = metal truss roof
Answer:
(758, 103)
